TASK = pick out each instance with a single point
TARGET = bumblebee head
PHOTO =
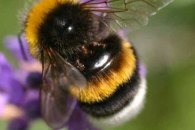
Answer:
(58, 24)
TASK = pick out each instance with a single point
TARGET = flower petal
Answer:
(32, 108)
(18, 124)
(142, 70)
(3, 101)
(79, 121)
(6, 72)
(17, 92)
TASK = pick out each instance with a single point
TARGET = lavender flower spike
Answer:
(20, 88)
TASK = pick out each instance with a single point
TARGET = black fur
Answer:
(110, 47)
(69, 26)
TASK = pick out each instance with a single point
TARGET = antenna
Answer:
(22, 46)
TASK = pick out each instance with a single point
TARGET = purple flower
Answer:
(78, 121)
(3, 101)
(13, 46)
(20, 88)
(31, 104)
(18, 124)
(16, 89)
(9, 86)
(142, 70)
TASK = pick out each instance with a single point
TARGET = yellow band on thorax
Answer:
(36, 17)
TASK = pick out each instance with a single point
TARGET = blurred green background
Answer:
(167, 47)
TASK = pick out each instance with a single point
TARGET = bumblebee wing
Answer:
(127, 13)
(58, 76)
(56, 107)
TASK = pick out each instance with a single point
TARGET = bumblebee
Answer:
(84, 59)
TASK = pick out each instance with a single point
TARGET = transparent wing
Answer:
(56, 107)
(126, 13)
(58, 76)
